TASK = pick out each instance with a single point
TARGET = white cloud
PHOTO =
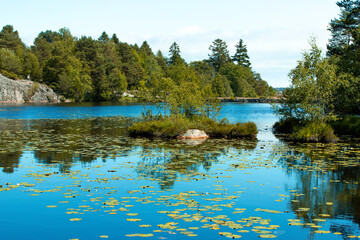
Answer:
(190, 30)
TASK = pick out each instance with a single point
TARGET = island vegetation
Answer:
(324, 94)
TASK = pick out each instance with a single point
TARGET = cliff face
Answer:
(25, 91)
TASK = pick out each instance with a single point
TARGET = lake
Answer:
(69, 171)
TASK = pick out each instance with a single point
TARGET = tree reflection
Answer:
(327, 178)
(63, 142)
(166, 161)
(9, 161)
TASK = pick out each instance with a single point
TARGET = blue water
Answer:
(75, 168)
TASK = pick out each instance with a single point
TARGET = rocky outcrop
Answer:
(25, 91)
(249, 100)
(194, 134)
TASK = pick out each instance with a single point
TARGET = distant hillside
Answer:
(25, 91)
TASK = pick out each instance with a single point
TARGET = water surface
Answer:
(71, 172)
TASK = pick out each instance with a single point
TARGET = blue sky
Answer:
(276, 32)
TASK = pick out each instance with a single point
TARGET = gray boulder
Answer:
(25, 91)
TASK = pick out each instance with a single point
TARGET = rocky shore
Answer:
(19, 91)
(249, 100)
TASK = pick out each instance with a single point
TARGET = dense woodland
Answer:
(87, 69)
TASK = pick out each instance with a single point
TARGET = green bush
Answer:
(10, 75)
(287, 126)
(349, 125)
(315, 132)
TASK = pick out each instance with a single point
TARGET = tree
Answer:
(31, 66)
(146, 50)
(311, 94)
(186, 100)
(345, 42)
(239, 78)
(9, 61)
(73, 81)
(115, 39)
(241, 57)
(130, 66)
(219, 54)
(9, 38)
(221, 87)
(344, 28)
(104, 38)
(174, 55)
(161, 60)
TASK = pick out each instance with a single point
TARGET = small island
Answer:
(185, 107)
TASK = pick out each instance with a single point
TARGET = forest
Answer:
(102, 69)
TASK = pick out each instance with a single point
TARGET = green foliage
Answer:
(186, 100)
(31, 92)
(288, 125)
(10, 75)
(9, 38)
(313, 83)
(9, 61)
(219, 54)
(73, 82)
(345, 41)
(241, 57)
(315, 132)
(175, 57)
(349, 125)
(239, 78)
(87, 69)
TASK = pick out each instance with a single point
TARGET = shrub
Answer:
(315, 132)
(31, 91)
(349, 125)
(10, 75)
(288, 125)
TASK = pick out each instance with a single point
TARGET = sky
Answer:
(276, 32)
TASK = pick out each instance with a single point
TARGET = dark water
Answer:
(71, 172)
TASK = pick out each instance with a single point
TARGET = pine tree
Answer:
(219, 54)
(175, 57)
(241, 56)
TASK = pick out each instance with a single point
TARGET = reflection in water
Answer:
(327, 184)
(9, 161)
(323, 178)
(63, 142)
(165, 161)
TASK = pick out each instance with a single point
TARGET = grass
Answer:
(305, 132)
(315, 132)
(172, 127)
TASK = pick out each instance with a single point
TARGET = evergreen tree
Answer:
(115, 39)
(161, 60)
(174, 55)
(219, 54)
(104, 38)
(344, 45)
(241, 56)
(9, 38)
(145, 49)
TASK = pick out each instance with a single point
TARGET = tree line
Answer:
(87, 69)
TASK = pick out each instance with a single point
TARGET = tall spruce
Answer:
(174, 54)
(241, 56)
(219, 54)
